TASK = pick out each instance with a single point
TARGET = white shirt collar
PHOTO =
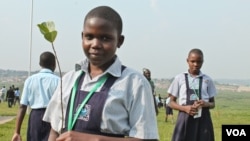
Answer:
(114, 69)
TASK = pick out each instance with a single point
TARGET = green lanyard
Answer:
(197, 94)
(70, 121)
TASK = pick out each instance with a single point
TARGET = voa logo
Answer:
(236, 132)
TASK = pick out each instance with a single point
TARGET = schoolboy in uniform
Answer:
(37, 91)
(121, 105)
(195, 92)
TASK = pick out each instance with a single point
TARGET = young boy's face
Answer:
(100, 40)
(195, 62)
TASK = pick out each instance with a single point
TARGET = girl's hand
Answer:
(197, 104)
(203, 103)
(70, 136)
(191, 109)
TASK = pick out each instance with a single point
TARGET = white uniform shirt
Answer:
(167, 100)
(39, 88)
(178, 87)
(129, 108)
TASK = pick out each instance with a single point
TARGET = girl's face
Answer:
(100, 40)
(195, 62)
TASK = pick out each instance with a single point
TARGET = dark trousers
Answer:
(17, 99)
(38, 130)
(10, 102)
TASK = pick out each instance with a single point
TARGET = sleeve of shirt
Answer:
(24, 96)
(211, 89)
(142, 114)
(53, 113)
(174, 87)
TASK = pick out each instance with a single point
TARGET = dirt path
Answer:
(4, 119)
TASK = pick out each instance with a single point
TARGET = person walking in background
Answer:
(10, 97)
(3, 91)
(169, 110)
(160, 103)
(17, 96)
(147, 74)
(104, 100)
(37, 91)
(157, 101)
(13, 87)
(195, 92)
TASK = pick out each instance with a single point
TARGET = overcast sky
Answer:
(158, 34)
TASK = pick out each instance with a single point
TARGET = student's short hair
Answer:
(47, 60)
(106, 13)
(196, 51)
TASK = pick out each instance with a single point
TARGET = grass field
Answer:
(231, 108)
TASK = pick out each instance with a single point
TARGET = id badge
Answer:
(198, 115)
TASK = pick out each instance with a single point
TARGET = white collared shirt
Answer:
(129, 108)
(178, 87)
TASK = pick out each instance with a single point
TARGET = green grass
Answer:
(7, 129)
(5, 111)
(231, 108)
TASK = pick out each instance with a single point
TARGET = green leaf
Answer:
(50, 36)
(48, 30)
(50, 25)
(43, 28)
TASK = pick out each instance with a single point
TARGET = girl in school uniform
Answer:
(104, 100)
(195, 92)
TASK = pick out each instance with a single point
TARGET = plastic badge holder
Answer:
(198, 113)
